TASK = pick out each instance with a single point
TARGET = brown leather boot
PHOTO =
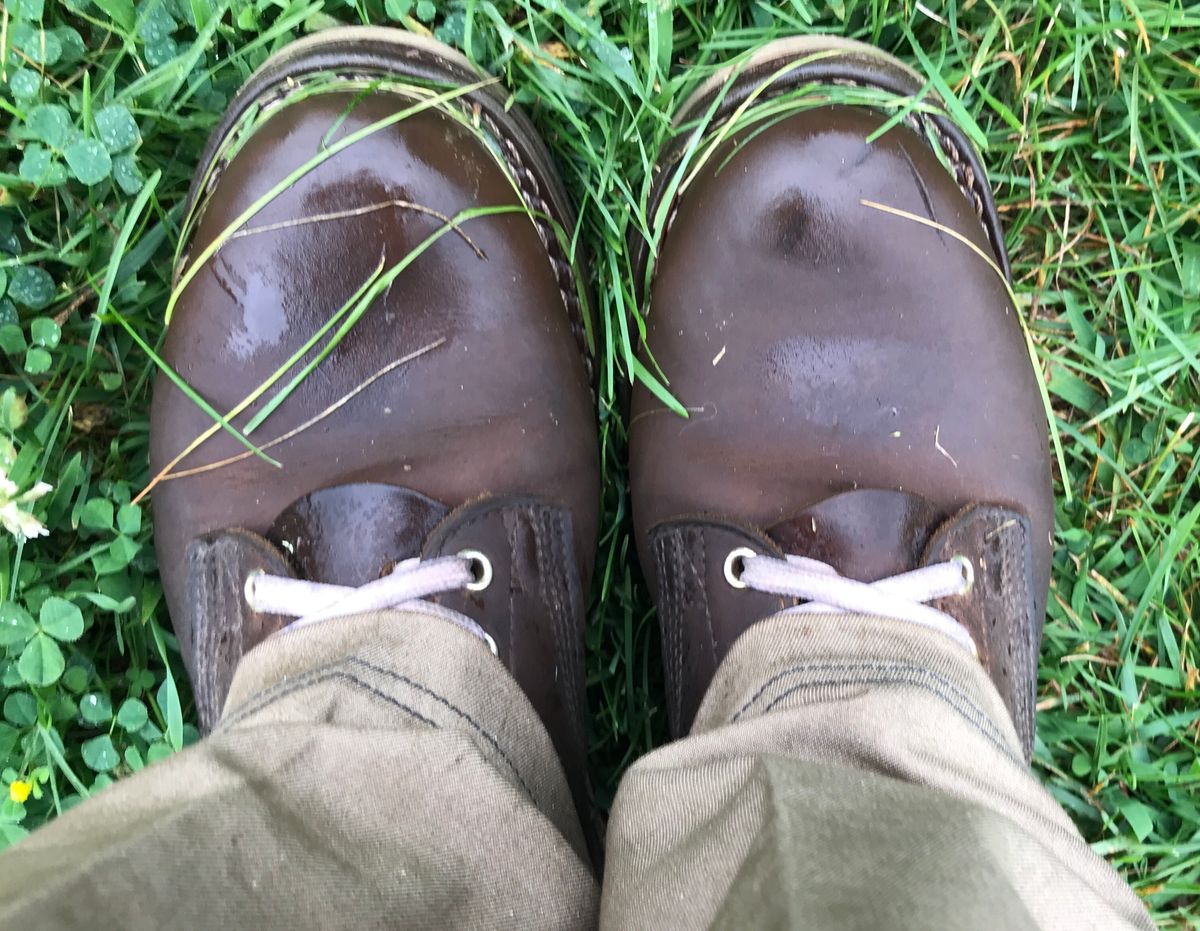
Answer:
(859, 389)
(455, 416)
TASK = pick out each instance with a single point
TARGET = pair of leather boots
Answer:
(832, 312)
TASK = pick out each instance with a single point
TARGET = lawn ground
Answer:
(1088, 113)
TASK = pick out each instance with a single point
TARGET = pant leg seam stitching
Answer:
(979, 725)
(839, 667)
(492, 739)
(316, 677)
(948, 692)
(269, 696)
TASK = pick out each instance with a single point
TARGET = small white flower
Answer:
(20, 523)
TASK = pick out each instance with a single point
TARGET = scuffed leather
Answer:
(354, 534)
(1001, 610)
(222, 626)
(700, 615)
(866, 534)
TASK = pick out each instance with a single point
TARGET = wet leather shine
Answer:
(500, 415)
(823, 347)
(502, 406)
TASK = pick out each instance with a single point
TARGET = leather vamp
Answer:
(867, 534)
(354, 534)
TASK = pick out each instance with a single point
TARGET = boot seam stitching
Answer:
(667, 549)
(565, 607)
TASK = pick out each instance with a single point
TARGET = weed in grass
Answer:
(1089, 117)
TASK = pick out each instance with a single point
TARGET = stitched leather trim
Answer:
(680, 587)
(223, 626)
(700, 615)
(1000, 609)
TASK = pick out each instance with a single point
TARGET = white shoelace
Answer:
(411, 581)
(902, 597)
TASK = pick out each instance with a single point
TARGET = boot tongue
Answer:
(353, 534)
(866, 534)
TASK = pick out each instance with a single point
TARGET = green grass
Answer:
(1089, 116)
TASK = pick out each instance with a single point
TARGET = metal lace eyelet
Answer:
(735, 565)
(481, 570)
(249, 589)
(968, 571)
